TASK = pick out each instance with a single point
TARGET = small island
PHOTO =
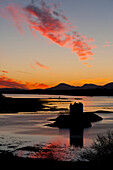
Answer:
(76, 119)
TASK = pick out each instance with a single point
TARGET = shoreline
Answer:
(28, 162)
(43, 163)
(8, 157)
(10, 160)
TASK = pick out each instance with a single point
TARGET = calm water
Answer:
(90, 103)
(28, 129)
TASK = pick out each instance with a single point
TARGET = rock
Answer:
(76, 119)
(65, 121)
(92, 117)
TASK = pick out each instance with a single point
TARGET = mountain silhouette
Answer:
(64, 86)
(61, 87)
(10, 89)
(108, 85)
(90, 86)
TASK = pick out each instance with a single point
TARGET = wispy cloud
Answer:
(23, 72)
(6, 82)
(87, 64)
(42, 66)
(31, 85)
(32, 66)
(108, 44)
(4, 71)
(95, 81)
(14, 14)
(43, 19)
(11, 83)
(50, 23)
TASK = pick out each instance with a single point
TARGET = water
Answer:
(90, 103)
(28, 129)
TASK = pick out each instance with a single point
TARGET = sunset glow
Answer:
(44, 43)
(12, 83)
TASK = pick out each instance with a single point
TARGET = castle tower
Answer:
(76, 110)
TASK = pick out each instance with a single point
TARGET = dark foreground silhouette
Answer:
(75, 92)
(8, 160)
(15, 105)
(98, 155)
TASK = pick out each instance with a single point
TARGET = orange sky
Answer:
(43, 44)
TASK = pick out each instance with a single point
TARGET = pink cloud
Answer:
(6, 82)
(11, 83)
(42, 66)
(32, 66)
(51, 24)
(42, 19)
(108, 44)
(4, 71)
(31, 85)
(87, 64)
(14, 14)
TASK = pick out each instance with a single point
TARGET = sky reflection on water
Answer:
(91, 103)
(23, 130)
(58, 150)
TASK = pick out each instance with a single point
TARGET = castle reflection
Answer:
(76, 137)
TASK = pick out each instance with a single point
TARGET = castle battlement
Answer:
(76, 110)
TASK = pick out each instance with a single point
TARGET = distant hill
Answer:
(89, 86)
(63, 86)
(108, 85)
(10, 89)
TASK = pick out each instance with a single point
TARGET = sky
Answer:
(47, 42)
